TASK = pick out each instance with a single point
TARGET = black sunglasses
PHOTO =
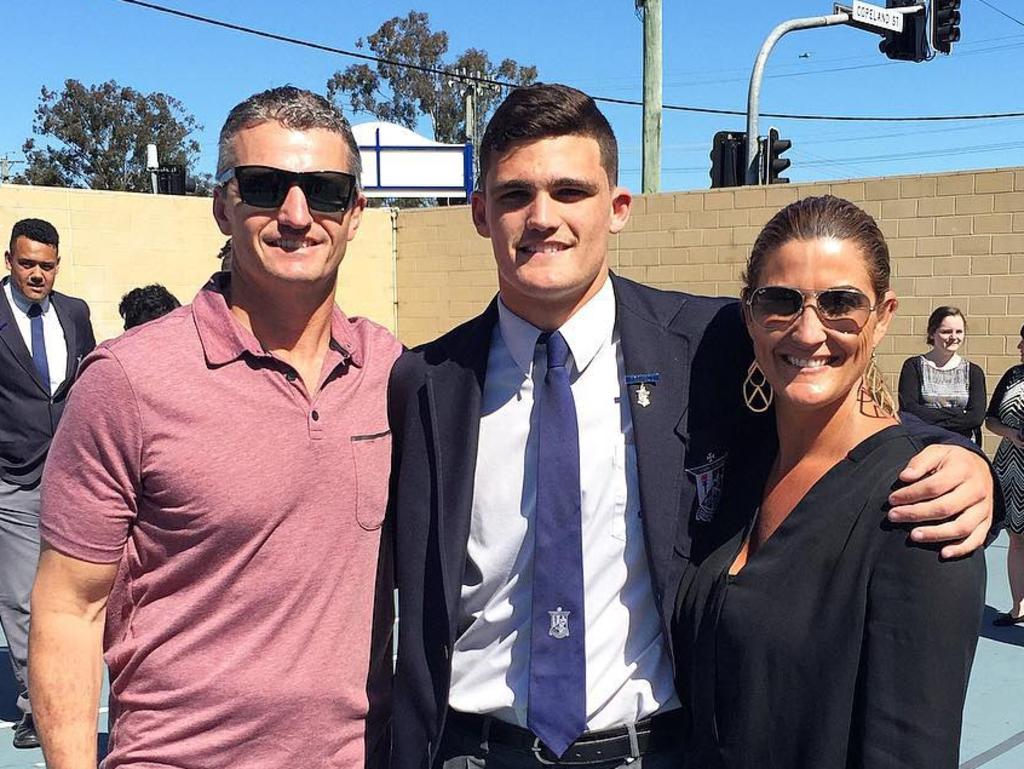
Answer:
(777, 307)
(264, 187)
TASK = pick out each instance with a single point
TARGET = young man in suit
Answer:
(554, 459)
(44, 336)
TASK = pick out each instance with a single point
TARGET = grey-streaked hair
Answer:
(294, 108)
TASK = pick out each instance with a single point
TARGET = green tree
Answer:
(401, 95)
(96, 137)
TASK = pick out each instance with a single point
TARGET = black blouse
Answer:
(838, 644)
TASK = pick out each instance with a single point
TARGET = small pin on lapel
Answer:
(643, 392)
(643, 396)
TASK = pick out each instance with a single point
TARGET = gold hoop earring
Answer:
(757, 391)
(877, 390)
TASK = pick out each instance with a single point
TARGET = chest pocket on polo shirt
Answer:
(372, 455)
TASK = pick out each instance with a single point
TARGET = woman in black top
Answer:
(811, 634)
(941, 387)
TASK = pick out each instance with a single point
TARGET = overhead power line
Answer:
(604, 99)
(1000, 11)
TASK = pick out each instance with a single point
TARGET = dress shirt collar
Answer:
(586, 332)
(24, 303)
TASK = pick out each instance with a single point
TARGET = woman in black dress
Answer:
(811, 633)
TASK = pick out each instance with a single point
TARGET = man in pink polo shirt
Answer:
(213, 502)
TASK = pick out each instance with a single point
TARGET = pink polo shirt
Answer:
(245, 516)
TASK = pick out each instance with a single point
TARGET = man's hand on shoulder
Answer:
(950, 489)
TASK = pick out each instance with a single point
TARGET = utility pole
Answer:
(472, 87)
(5, 167)
(471, 136)
(651, 13)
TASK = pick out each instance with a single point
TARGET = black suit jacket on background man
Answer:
(28, 413)
(700, 351)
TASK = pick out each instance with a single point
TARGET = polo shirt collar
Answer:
(586, 332)
(224, 339)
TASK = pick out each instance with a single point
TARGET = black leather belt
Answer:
(661, 731)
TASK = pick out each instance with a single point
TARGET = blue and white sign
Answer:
(875, 16)
(399, 163)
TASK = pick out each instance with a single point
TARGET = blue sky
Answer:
(594, 45)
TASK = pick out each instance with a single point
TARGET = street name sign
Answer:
(875, 16)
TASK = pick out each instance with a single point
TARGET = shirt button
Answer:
(290, 376)
(316, 416)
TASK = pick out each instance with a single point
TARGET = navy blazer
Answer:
(700, 351)
(28, 413)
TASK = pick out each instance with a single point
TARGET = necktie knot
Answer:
(558, 350)
(35, 310)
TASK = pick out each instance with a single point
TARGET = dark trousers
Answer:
(19, 554)
(461, 749)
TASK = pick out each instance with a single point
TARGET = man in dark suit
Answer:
(554, 459)
(43, 337)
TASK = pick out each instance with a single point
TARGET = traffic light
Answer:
(729, 159)
(170, 180)
(945, 24)
(772, 161)
(912, 43)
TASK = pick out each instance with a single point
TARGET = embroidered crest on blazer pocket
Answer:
(372, 455)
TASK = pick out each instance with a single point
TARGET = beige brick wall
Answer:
(114, 241)
(955, 239)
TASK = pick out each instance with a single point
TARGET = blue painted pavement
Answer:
(993, 735)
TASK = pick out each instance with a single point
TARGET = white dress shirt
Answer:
(53, 332)
(629, 674)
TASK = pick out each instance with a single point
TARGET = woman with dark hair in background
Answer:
(941, 387)
(1006, 419)
(810, 634)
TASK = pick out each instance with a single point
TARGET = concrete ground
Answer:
(993, 735)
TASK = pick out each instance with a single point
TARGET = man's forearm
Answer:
(65, 675)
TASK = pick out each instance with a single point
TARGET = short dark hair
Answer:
(39, 230)
(544, 111)
(141, 305)
(938, 315)
(822, 217)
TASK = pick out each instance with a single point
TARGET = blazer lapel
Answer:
(454, 392)
(11, 336)
(650, 349)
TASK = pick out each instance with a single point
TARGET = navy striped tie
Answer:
(557, 711)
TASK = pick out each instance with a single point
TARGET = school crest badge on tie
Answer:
(559, 623)
(709, 478)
